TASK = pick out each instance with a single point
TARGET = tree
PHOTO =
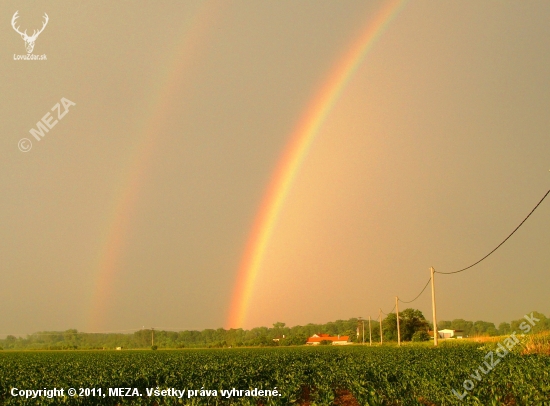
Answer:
(543, 323)
(298, 339)
(464, 325)
(278, 327)
(484, 328)
(411, 321)
(421, 335)
(389, 327)
(444, 324)
(279, 330)
(504, 328)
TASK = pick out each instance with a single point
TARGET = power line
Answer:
(498, 246)
(389, 311)
(422, 291)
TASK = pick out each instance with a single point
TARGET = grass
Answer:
(538, 343)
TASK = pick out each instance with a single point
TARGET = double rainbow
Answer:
(279, 186)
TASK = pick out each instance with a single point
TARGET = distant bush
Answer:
(325, 342)
(154, 347)
(420, 336)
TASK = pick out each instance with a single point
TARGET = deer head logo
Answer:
(29, 41)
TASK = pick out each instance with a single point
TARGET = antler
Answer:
(36, 34)
(15, 17)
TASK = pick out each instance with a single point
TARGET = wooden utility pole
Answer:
(433, 306)
(397, 311)
(370, 333)
(380, 318)
(359, 321)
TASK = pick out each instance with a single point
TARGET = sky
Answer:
(141, 206)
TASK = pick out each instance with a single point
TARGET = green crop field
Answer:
(354, 375)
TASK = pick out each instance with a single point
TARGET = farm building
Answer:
(316, 339)
(447, 333)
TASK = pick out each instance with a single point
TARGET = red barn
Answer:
(316, 339)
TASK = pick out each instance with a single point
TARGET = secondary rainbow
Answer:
(114, 242)
(293, 156)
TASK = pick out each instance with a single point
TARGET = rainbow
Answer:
(293, 156)
(113, 246)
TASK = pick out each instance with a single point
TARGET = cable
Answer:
(422, 291)
(498, 246)
(410, 301)
(389, 311)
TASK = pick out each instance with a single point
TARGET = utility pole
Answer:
(370, 333)
(360, 319)
(380, 318)
(363, 332)
(397, 310)
(433, 306)
(152, 336)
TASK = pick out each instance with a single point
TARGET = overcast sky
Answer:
(434, 152)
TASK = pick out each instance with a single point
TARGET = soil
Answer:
(343, 398)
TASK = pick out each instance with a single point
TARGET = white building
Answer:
(448, 333)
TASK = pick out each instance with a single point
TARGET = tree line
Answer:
(413, 327)
(483, 328)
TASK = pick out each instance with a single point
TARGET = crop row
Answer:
(373, 376)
